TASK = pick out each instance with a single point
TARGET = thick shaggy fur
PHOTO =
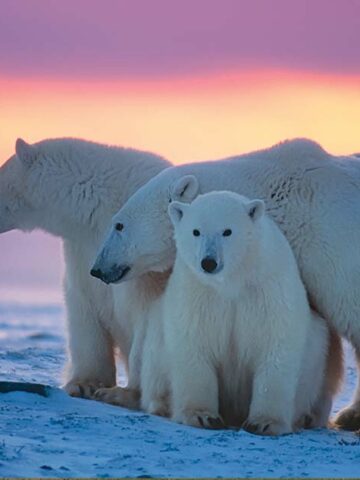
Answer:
(71, 188)
(313, 196)
(239, 344)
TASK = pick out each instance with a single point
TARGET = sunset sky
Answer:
(191, 80)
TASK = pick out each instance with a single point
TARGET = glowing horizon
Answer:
(186, 118)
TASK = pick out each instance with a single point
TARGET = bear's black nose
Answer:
(96, 272)
(208, 264)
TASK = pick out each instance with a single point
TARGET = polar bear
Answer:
(240, 343)
(71, 188)
(313, 196)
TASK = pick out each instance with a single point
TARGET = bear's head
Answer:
(56, 185)
(17, 192)
(140, 239)
(40, 187)
(215, 233)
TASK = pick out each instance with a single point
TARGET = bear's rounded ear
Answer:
(26, 153)
(176, 211)
(185, 189)
(255, 209)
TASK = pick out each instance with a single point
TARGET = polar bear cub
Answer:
(241, 345)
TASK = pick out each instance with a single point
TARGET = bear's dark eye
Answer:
(227, 232)
(196, 233)
(119, 226)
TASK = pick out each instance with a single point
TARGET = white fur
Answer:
(313, 196)
(71, 188)
(240, 343)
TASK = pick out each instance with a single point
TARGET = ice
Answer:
(59, 436)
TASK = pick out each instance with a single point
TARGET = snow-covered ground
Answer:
(59, 436)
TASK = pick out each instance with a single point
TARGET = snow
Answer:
(59, 436)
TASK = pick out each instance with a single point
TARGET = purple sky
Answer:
(29, 260)
(17, 245)
(113, 38)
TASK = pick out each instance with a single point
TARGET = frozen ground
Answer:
(63, 437)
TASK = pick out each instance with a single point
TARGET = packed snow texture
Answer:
(59, 436)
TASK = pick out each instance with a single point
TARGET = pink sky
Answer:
(112, 38)
(191, 80)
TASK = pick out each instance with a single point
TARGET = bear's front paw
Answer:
(200, 418)
(159, 407)
(82, 389)
(122, 397)
(348, 418)
(306, 421)
(266, 426)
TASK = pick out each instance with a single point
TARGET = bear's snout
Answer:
(209, 265)
(96, 272)
(116, 273)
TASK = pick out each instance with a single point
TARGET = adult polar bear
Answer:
(313, 196)
(71, 188)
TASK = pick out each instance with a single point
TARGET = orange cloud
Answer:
(186, 118)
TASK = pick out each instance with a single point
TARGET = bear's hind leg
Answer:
(349, 417)
(332, 382)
